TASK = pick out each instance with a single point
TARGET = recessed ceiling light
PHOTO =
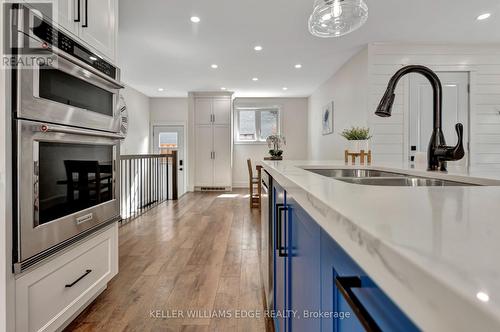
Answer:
(93, 58)
(285, 88)
(482, 296)
(255, 79)
(195, 19)
(161, 89)
(258, 48)
(298, 66)
(223, 88)
(214, 66)
(483, 16)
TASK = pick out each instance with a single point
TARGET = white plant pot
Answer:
(355, 146)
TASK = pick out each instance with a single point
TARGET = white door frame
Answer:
(182, 124)
(472, 71)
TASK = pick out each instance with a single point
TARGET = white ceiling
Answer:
(160, 47)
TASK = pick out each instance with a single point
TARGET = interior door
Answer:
(167, 138)
(97, 26)
(455, 109)
(204, 164)
(222, 156)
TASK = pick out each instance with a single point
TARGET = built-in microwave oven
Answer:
(77, 87)
(66, 129)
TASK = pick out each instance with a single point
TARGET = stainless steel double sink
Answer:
(373, 177)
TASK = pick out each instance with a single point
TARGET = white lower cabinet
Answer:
(49, 296)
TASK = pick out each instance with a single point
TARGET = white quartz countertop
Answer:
(433, 250)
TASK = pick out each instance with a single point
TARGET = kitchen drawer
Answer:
(47, 297)
(346, 288)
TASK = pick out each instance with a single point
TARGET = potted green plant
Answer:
(275, 144)
(358, 138)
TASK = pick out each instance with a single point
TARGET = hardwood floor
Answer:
(197, 256)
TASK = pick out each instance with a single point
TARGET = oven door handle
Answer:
(85, 66)
(45, 128)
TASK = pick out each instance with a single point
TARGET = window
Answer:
(167, 142)
(256, 124)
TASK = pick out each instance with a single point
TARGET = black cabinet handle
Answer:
(86, 24)
(281, 208)
(77, 19)
(345, 285)
(77, 280)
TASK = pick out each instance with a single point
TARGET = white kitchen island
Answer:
(432, 250)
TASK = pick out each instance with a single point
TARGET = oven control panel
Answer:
(52, 36)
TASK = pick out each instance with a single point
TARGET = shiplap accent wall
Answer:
(483, 64)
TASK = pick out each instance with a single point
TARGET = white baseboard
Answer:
(240, 184)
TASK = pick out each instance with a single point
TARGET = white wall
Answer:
(483, 64)
(347, 89)
(168, 110)
(176, 111)
(294, 125)
(138, 105)
(294, 128)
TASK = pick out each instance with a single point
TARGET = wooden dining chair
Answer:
(89, 180)
(254, 185)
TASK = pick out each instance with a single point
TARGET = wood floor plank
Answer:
(198, 255)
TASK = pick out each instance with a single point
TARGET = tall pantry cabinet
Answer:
(213, 140)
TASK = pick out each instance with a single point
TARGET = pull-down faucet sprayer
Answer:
(438, 152)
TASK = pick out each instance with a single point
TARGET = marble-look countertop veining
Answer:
(433, 250)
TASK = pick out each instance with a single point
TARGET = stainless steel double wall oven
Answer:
(67, 139)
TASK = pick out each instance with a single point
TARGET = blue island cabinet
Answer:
(281, 266)
(317, 285)
(349, 293)
(305, 272)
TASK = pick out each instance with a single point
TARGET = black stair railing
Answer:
(146, 180)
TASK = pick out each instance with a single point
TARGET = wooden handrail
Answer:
(160, 155)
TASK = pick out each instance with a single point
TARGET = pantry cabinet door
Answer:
(222, 156)
(222, 111)
(203, 111)
(204, 163)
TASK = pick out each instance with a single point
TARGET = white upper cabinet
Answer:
(213, 111)
(69, 15)
(222, 111)
(98, 25)
(94, 22)
(203, 114)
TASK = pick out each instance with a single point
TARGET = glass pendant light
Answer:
(335, 18)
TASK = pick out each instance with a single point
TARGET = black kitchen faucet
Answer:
(438, 152)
